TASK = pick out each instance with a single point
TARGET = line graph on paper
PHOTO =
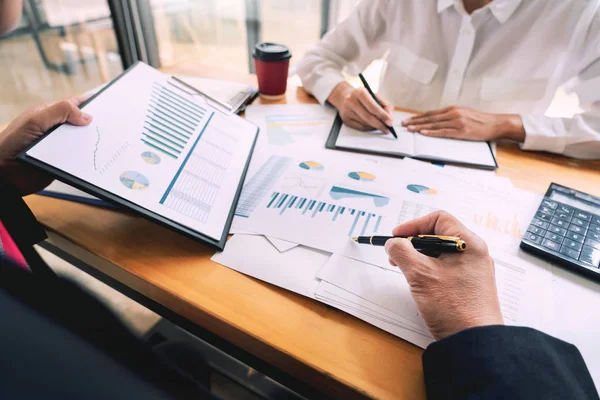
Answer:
(102, 158)
(96, 149)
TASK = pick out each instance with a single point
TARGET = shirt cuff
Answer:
(325, 86)
(544, 133)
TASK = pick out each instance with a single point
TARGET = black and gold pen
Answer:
(422, 243)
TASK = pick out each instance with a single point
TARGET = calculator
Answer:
(566, 230)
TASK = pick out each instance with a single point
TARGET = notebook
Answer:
(409, 144)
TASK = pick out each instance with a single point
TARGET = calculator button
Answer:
(577, 237)
(582, 215)
(551, 204)
(541, 224)
(593, 235)
(554, 237)
(596, 220)
(569, 252)
(565, 210)
(560, 222)
(590, 256)
(576, 229)
(546, 210)
(535, 229)
(580, 222)
(543, 217)
(532, 237)
(564, 216)
(592, 243)
(556, 229)
(571, 244)
(594, 228)
(549, 244)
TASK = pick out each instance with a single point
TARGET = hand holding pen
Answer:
(366, 85)
(360, 110)
(456, 291)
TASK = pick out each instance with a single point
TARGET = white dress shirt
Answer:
(507, 57)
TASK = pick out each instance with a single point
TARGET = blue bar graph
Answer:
(171, 121)
(359, 222)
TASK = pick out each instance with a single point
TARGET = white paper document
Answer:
(524, 290)
(416, 145)
(158, 148)
(291, 125)
(294, 270)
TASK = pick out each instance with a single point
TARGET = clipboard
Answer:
(234, 105)
(127, 202)
(331, 143)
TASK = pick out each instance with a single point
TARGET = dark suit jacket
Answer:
(502, 362)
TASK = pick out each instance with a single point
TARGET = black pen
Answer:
(422, 243)
(366, 85)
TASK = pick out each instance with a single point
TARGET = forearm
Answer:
(511, 127)
(10, 15)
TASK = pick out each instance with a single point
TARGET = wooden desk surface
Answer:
(334, 352)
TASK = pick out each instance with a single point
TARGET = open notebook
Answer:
(408, 144)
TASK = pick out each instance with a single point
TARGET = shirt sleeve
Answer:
(352, 42)
(505, 362)
(577, 137)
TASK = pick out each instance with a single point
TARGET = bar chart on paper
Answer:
(259, 184)
(351, 220)
(510, 227)
(171, 121)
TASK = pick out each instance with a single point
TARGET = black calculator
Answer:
(566, 230)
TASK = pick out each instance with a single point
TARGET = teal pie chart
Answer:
(420, 189)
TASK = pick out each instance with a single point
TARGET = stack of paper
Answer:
(301, 205)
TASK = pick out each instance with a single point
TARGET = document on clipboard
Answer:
(157, 150)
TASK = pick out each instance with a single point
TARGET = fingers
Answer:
(403, 255)
(60, 112)
(441, 223)
(443, 133)
(368, 119)
(79, 99)
(426, 115)
(422, 119)
(367, 101)
(355, 123)
(451, 124)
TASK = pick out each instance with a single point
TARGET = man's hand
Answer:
(358, 110)
(455, 291)
(25, 130)
(468, 124)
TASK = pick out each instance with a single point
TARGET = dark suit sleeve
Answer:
(502, 362)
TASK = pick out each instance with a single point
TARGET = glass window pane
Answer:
(61, 48)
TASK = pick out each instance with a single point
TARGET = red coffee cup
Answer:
(272, 62)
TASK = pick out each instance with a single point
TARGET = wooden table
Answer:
(334, 353)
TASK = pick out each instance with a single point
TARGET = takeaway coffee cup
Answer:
(272, 62)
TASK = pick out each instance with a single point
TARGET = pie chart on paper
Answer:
(362, 176)
(134, 180)
(420, 189)
(311, 165)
